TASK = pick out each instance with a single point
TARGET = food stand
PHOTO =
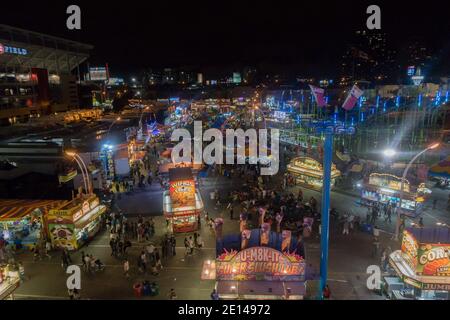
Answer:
(73, 223)
(385, 188)
(423, 263)
(22, 221)
(182, 203)
(9, 281)
(258, 264)
(309, 172)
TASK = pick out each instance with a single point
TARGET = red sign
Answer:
(182, 193)
(2, 49)
(260, 263)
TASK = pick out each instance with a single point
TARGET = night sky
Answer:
(302, 36)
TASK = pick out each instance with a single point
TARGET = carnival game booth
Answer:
(385, 188)
(22, 222)
(423, 264)
(182, 203)
(258, 264)
(309, 172)
(74, 223)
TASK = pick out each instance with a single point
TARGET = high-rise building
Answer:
(368, 57)
(200, 78)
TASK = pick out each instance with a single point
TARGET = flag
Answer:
(352, 98)
(318, 95)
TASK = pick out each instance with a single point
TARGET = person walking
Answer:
(172, 295)
(186, 246)
(158, 263)
(199, 241)
(214, 295)
(144, 261)
(173, 243)
(326, 292)
(87, 262)
(64, 261)
(421, 222)
(346, 226)
(191, 245)
(126, 268)
(83, 262)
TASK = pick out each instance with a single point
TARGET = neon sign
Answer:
(12, 50)
(260, 263)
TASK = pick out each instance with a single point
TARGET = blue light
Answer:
(446, 97)
(419, 102)
(360, 102)
(437, 100)
(335, 117)
(362, 116)
(384, 106)
(397, 101)
(378, 101)
(353, 121)
(326, 99)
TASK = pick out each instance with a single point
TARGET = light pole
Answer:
(112, 124)
(405, 172)
(84, 170)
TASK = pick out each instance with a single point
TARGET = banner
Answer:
(352, 98)
(318, 94)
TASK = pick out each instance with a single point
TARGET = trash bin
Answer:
(137, 288)
(154, 289)
(146, 289)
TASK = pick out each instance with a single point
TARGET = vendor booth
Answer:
(258, 264)
(22, 222)
(74, 223)
(423, 264)
(385, 188)
(309, 172)
(182, 203)
(9, 281)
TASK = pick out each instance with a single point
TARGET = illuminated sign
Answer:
(411, 70)
(434, 260)
(12, 50)
(98, 74)
(182, 193)
(409, 249)
(260, 263)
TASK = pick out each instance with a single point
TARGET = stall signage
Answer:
(412, 282)
(260, 263)
(436, 286)
(409, 249)
(434, 260)
(182, 193)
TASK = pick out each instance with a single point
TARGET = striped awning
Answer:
(441, 169)
(14, 209)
